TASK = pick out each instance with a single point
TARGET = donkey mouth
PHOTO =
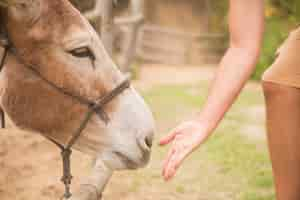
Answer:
(130, 163)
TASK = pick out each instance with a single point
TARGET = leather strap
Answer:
(2, 62)
(96, 106)
(66, 150)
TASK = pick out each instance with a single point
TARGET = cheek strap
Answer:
(4, 43)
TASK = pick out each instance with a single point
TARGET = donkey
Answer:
(61, 47)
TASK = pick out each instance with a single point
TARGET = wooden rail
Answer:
(170, 46)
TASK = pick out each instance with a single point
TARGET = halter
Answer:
(96, 106)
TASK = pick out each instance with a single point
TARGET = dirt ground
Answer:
(31, 166)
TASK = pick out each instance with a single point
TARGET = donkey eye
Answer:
(83, 52)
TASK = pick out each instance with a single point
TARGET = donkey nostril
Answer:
(145, 143)
(148, 142)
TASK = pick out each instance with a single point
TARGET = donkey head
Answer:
(56, 42)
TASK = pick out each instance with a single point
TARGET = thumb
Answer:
(168, 138)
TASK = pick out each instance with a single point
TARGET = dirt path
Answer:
(31, 169)
(31, 166)
(154, 75)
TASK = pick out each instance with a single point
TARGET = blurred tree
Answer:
(218, 22)
(289, 7)
(281, 17)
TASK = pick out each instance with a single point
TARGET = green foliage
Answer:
(281, 17)
(218, 22)
(289, 7)
(277, 29)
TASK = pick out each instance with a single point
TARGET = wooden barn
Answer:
(174, 31)
(178, 32)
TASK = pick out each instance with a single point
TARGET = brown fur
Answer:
(29, 101)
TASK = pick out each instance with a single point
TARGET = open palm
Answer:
(185, 139)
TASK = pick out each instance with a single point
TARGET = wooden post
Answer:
(105, 22)
(131, 34)
(208, 14)
(107, 27)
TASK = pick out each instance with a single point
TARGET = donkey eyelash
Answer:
(83, 52)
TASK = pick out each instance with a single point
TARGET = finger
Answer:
(166, 161)
(167, 139)
(170, 137)
(170, 174)
(179, 159)
(170, 170)
(175, 162)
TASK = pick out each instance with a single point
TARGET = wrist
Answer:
(209, 124)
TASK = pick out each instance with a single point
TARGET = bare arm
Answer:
(246, 25)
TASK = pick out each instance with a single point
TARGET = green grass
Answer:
(236, 155)
(230, 166)
(169, 101)
(242, 164)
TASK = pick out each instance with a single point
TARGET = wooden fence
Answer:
(168, 46)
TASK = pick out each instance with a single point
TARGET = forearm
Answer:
(246, 27)
(234, 70)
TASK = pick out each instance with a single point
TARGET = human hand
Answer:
(185, 138)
